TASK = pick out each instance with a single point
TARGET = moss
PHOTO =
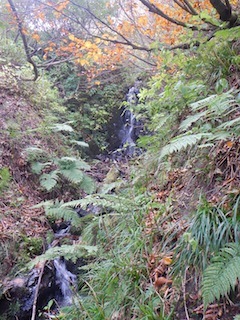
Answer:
(5, 178)
(31, 246)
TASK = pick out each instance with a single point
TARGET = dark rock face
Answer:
(19, 293)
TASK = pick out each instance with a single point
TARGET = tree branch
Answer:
(154, 9)
(225, 11)
(24, 40)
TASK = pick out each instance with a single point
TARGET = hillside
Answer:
(96, 226)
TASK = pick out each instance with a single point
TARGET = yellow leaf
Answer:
(167, 261)
(71, 37)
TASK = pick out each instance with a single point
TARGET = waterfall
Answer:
(57, 282)
(65, 281)
(129, 129)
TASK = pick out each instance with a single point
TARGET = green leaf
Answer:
(191, 119)
(70, 252)
(72, 174)
(38, 166)
(80, 143)
(222, 274)
(70, 162)
(49, 180)
(62, 127)
(88, 184)
(181, 143)
(221, 85)
(228, 34)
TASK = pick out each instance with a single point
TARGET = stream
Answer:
(54, 280)
(127, 127)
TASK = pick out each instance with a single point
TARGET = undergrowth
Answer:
(182, 109)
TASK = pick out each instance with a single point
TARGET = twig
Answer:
(24, 40)
(184, 294)
(34, 309)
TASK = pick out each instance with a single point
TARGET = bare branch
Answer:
(154, 9)
(183, 6)
(225, 11)
(24, 40)
(190, 7)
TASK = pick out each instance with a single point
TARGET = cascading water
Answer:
(57, 282)
(128, 130)
(65, 280)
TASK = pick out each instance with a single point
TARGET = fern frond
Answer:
(181, 143)
(70, 162)
(35, 150)
(38, 166)
(217, 103)
(200, 104)
(107, 201)
(219, 135)
(49, 180)
(80, 143)
(55, 210)
(230, 123)
(69, 252)
(191, 119)
(222, 274)
(61, 127)
(72, 174)
(88, 184)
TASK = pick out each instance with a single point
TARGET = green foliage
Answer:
(70, 252)
(56, 210)
(180, 143)
(48, 180)
(108, 202)
(210, 122)
(11, 52)
(57, 170)
(221, 276)
(210, 229)
(191, 80)
(62, 127)
(31, 246)
(120, 268)
(5, 178)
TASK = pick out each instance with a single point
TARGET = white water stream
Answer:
(65, 280)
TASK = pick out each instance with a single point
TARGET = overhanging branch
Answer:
(225, 11)
(24, 40)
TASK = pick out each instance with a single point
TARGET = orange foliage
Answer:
(135, 23)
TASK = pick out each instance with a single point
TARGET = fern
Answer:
(55, 210)
(80, 143)
(72, 174)
(62, 127)
(68, 167)
(87, 184)
(49, 180)
(191, 119)
(182, 142)
(69, 162)
(222, 274)
(107, 201)
(210, 111)
(69, 252)
(37, 167)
